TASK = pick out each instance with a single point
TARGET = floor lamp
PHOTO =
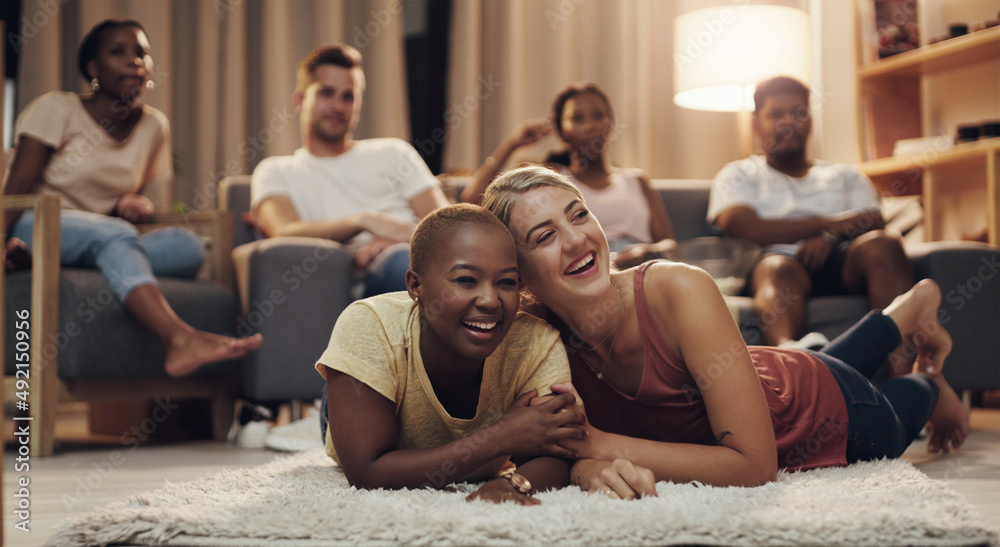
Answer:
(721, 53)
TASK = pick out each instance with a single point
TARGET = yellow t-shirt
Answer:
(88, 169)
(377, 341)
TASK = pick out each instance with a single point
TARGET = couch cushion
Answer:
(234, 196)
(687, 205)
(829, 315)
(97, 338)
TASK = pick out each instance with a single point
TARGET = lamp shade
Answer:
(720, 54)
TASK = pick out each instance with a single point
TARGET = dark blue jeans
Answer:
(881, 420)
(387, 273)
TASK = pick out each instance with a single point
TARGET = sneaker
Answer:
(253, 435)
(813, 341)
(297, 436)
(250, 425)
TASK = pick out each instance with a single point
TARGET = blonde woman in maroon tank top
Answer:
(669, 384)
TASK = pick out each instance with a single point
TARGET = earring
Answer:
(416, 299)
(95, 85)
(150, 84)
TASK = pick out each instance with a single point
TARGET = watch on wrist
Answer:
(518, 481)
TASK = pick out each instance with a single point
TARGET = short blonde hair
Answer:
(501, 195)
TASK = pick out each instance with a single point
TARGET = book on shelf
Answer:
(887, 27)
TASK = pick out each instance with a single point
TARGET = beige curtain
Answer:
(225, 71)
(509, 58)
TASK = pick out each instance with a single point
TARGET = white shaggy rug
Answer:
(304, 500)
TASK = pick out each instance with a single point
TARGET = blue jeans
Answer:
(114, 246)
(387, 273)
(881, 420)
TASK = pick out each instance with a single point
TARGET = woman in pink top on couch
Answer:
(669, 383)
(623, 199)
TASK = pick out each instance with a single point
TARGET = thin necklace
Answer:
(600, 373)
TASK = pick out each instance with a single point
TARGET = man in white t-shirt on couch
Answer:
(819, 223)
(368, 194)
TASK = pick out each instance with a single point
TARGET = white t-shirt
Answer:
(828, 188)
(375, 175)
(621, 207)
(88, 169)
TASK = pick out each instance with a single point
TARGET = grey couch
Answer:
(968, 274)
(84, 345)
(293, 290)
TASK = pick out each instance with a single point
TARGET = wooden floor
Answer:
(92, 471)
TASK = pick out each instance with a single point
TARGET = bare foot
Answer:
(196, 348)
(949, 422)
(16, 255)
(925, 342)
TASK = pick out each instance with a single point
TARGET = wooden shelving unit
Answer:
(890, 106)
(983, 45)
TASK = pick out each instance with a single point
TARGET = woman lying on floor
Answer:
(431, 386)
(670, 384)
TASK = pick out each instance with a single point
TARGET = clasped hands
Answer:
(617, 478)
(556, 425)
(813, 252)
(135, 208)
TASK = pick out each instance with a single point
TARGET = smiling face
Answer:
(331, 105)
(783, 125)
(469, 293)
(586, 124)
(123, 63)
(562, 250)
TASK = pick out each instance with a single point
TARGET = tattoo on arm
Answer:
(723, 435)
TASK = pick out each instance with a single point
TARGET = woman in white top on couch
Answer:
(108, 158)
(623, 199)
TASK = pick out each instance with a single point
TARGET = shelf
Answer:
(960, 154)
(958, 183)
(979, 46)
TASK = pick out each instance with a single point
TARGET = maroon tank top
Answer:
(807, 407)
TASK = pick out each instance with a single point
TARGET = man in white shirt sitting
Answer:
(368, 194)
(819, 223)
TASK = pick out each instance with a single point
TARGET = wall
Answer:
(836, 131)
(978, 87)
